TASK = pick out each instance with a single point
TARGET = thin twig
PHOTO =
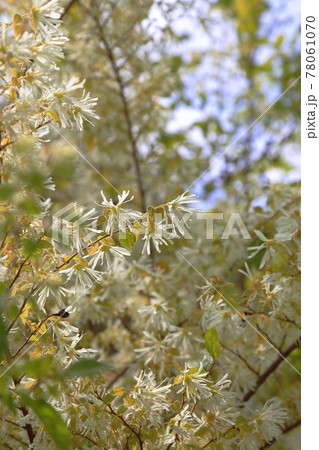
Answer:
(271, 369)
(85, 437)
(126, 112)
(19, 313)
(118, 376)
(137, 434)
(32, 334)
(18, 440)
(18, 272)
(4, 240)
(127, 425)
(67, 8)
(243, 359)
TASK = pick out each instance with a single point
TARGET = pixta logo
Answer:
(73, 224)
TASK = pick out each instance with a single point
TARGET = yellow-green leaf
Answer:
(129, 240)
(212, 343)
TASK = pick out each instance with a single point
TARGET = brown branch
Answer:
(28, 426)
(271, 369)
(215, 438)
(251, 312)
(6, 145)
(67, 8)
(18, 440)
(19, 313)
(85, 437)
(263, 333)
(243, 359)
(127, 425)
(4, 240)
(25, 412)
(18, 272)
(126, 112)
(21, 266)
(117, 376)
(137, 434)
(13, 423)
(286, 430)
(32, 334)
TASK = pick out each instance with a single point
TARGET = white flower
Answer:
(179, 224)
(287, 225)
(84, 276)
(3, 269)
(194, 383)
(68, 337)
(267, 245)
(103, 253)
(182, 425)
(213, 312)
(46, 14)
(116, 215)
(76, 229)
(156, 313)
(52, 288)
(122, 198)
(183, 339)
(154, 349)
(219, 395)
(270, 419)
(82, 109)
(180, 201)
(149, 395)
(158, 233)
(49, 184)
(248, 273)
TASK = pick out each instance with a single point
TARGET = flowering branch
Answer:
(61, 314)
(121, 418)
(137, 434)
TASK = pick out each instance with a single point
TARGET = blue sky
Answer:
(282, 19)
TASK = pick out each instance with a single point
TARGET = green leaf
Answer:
(212, 343)
(54, 115)
(122, 409)
(129, 240)
(85, 368)
(39, 367)
(29, 206)
(108, 399)
(6, 191)
(152, 435)
(51, 420)
(32, 247)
